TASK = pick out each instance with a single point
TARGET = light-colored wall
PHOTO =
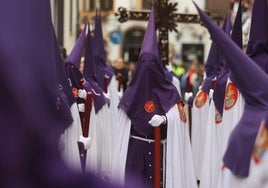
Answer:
(69, 37)
(190, 32)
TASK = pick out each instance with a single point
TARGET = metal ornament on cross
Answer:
(166, 21)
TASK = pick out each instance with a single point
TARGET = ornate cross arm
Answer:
(124, 15)
(187, 18)
(166, 20)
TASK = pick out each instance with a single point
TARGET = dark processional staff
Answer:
(166, 10)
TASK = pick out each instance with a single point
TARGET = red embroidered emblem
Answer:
(182, 113)
(149, 106)
(261, 145)
(231, 96)
(200, 99)
(218, 117)
(75, 91)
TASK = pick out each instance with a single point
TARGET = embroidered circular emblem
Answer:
(182, 113)
(149, 106)
(218, 117)
(231, 96)
(75, 91)
(200, 99)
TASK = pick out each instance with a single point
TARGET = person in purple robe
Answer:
(102, 69)
(36, 113)
(250, 80)
(149, 101)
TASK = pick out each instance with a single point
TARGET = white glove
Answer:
(120, 94)
(106, 95)
(85, 141)
(211, 91)
(187, 95)
(81, 107)
(157, 120)
(82, 93)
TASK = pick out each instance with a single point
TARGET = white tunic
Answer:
(199, 128)
(211, 155)
(230, 116)
(70, 137)
(99, 155)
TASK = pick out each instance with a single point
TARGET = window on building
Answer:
(132, 44)
(146, 4)
(104, 5)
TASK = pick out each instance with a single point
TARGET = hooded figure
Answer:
(257, 48)
(223, 72)
(223, 119)
(200, 107)
(233, 103)
(102, 69)
(149, 101)
(37, 111)
(99, 155)
(211, 133)
(75, 56)
(71, 135)
(241, 142)
(72, 62)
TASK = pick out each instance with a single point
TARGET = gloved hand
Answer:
(211, 91)
(187, 95)
(157, 120)
(81, 107)
(82, 94)
(106, 95)
(120, 94)
(85, 141)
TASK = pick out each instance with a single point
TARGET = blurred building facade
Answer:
(124, 39)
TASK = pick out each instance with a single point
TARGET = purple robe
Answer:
(35, 114)
(149, 93)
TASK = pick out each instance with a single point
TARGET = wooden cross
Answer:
(166, 20)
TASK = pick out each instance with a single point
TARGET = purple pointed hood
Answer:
(258, 38)
(215, 66)
(219, 92)
(227, 27)
(90, 76)
(149, 44)
(149, 92)
(242, 139)
(102, 69)
(75, 55)
(89, 65)
(220, 64)
(63, 82)
(237, 33)
(30, 71)
(73, 61)
(98, 40)
(211, 68)
(237, 28)
(33, 114)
